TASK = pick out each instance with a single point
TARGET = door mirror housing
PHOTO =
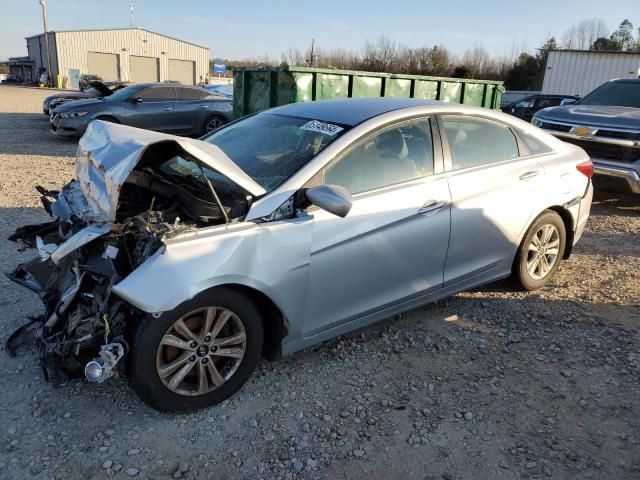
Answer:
(331, 198)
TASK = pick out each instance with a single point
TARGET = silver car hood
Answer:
(108, 152)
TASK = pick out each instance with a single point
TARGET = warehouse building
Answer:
(578, 72)
(126, 54)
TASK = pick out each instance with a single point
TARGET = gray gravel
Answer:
(490, 384)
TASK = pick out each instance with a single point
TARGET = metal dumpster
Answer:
(255, 89)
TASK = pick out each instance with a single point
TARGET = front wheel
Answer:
(541, 250)
(197, 355)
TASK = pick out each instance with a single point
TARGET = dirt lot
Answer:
(490, 384)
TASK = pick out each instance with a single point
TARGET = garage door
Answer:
(144, 69)
(105, 65)
(184, 71)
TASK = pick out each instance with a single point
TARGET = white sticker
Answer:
(110, 252)
(321, 127)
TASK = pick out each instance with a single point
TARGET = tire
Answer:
(212, 123)
(532, 275)
(148, 357)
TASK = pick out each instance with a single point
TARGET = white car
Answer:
(191, 259)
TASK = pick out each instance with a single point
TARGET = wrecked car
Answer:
(95, 90)
(184, 261)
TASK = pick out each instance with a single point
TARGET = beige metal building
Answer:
(127, 54)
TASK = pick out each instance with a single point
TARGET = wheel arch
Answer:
(274, 321)
(567, 219)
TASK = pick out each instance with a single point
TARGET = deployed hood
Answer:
(102, 88)
(626, 118)
(108, 152)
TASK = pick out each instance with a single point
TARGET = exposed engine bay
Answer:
(87, 249)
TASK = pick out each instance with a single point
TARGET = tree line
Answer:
(519, 71)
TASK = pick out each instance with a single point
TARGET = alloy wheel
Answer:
(542, 253)
(201, 351)
(214, 123)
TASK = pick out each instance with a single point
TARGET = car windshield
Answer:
(271, 147)
(621, 94)
(124, 93)
(222, 89)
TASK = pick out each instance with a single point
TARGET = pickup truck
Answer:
(606, 124)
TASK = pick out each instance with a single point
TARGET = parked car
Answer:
(528, 106)
(96, 90)
(286, 228)
(606, 124)
(177, 109)
(86, 79)
(226, 90)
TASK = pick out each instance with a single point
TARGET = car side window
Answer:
(547, 102)
(526, 103)
(474, 141)
(394, 155)
(156, 94)
(191, 94)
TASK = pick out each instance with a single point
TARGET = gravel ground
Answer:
(489, 384)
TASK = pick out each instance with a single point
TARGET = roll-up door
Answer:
(144, 69)
(105, 65)
(183, 71)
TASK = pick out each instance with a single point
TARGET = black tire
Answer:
(107, 118)
(521, 273)
(218, 119)
(145, 337)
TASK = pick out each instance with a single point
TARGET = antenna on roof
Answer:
(131, 8)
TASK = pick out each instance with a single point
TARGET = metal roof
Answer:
(350, 111)
(113, 29)
(575, 50)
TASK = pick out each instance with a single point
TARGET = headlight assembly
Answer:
(72, 114)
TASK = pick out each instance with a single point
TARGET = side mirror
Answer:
(331, 198)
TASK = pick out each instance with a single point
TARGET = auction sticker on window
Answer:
(321, 127)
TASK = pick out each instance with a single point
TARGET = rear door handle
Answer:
(204, 106)
(167, 109)
(432, 206)
(528, 175)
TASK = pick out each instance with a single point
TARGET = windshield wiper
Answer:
(215, 195)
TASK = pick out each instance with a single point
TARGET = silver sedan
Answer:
(194, 258)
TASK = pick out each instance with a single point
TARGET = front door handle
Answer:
(167, 109)
(528, 175)
(432, 206)
(204, 107)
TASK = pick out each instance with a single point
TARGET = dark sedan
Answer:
(528, 106)
(175, 109)
(96, 90)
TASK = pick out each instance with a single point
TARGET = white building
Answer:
(127, 54)
(577, 72)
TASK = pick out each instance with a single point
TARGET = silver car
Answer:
(191, 259)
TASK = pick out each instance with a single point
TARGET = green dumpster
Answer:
(255, 89)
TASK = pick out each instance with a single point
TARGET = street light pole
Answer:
(43, 3)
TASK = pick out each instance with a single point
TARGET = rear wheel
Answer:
(213, 123)
(197, 355)
(541, 250)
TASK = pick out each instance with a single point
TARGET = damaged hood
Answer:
(108, 152)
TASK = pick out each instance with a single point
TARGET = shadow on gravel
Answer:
(614, 203)
(28, 134)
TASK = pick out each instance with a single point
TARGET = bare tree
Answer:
(584, 34)
(378, 57)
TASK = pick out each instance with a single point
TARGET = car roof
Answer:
(350, 111)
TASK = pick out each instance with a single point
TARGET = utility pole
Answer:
(131, 8)
(43, 3)
(312, 56)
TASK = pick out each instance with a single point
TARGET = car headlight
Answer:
(537, 122)
(72, 114)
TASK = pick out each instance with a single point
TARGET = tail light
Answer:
(586, 168)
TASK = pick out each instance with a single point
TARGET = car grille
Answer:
(555, 126)
(618, 134)
(606, 151)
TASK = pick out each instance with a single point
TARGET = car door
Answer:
(523, 108)
(392, 245)
(190, 109)
(494, 182)
(152, 108)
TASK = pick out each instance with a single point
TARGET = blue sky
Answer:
(252, 28)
